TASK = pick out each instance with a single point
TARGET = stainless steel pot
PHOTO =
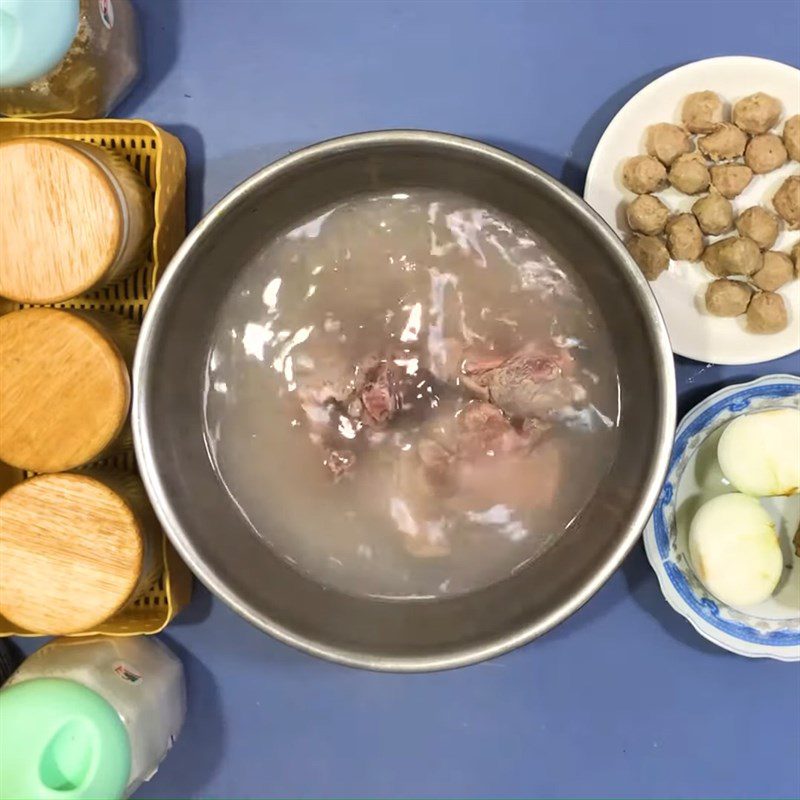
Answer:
(205, 525)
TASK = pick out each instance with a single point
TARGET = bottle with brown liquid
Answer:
(66, 58)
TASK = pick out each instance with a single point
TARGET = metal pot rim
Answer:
(467, 655)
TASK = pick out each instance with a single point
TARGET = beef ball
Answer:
(730, 180)
(711, 259)
(702, 112)
(767, 313)
(684, 238)
(644, 175)
(666, 142)
(650, 253)
(776, 270)
(647, 214)
(732, 256)
(791, 137)
(714, 214)
(740, 256)
(787, 201)
(689, 174)
(796, 259)
(756, 113)
(758, 224)
(765, 153)
(725, 143)
(727, 298)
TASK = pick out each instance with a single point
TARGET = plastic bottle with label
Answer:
(66, 58)
(88, 718)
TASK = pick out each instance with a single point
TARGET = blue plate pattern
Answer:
(692, 431)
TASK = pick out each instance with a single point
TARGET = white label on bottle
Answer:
(106, 12)
(127, 673)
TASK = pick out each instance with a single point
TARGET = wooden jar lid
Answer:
(71, 553)
(61, 222)
(64, 390)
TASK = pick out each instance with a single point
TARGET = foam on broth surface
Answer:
(440, 490)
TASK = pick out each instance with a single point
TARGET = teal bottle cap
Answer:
(59, 739)
(34, 36)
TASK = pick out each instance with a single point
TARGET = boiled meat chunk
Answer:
(482, 461)
(343, 400)
(529, 384)
(492, 445)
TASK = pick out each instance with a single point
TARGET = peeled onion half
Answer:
(760, 453)
(734, 550)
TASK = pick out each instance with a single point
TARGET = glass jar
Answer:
(76, 548)
(73, 217)
(66, 58)
(65, 387)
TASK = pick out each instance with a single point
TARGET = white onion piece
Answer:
(734, 550)
(760, 453)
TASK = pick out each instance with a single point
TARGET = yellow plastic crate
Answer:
(160, 159)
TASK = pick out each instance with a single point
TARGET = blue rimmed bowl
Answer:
(770, 629)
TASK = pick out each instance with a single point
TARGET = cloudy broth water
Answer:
(410, 395)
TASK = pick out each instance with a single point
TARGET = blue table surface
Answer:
(624, 698)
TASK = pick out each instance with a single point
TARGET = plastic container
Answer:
(75, 548)
(58, 738)
(89, 718)
(65, 387)
(159, 158)
(72, 217)
(71, 58)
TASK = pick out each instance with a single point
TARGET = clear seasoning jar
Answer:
(65, 387)
(76, 548)
(73, 217)
(90, 717)
(66, 58)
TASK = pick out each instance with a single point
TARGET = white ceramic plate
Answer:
(772, 628)
(680, 290)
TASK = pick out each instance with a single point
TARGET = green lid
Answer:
(59, 739)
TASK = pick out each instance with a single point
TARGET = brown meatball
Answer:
(730, 180)
(666, 142)
(767, 313)
(796, 258)
(757, 113)
(791, 137)
(689, 174)
(765, 153)
(684, 238)
(726, 298)
(647, 214)
(776, 270)
(758, 224)
(734, 256)
(787, 201)
(650, 254)
(714, 214)
(644, 175)
(725, 143)
(711, 260)
(702, 112)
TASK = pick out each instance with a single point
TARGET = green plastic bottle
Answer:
(59, 739)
